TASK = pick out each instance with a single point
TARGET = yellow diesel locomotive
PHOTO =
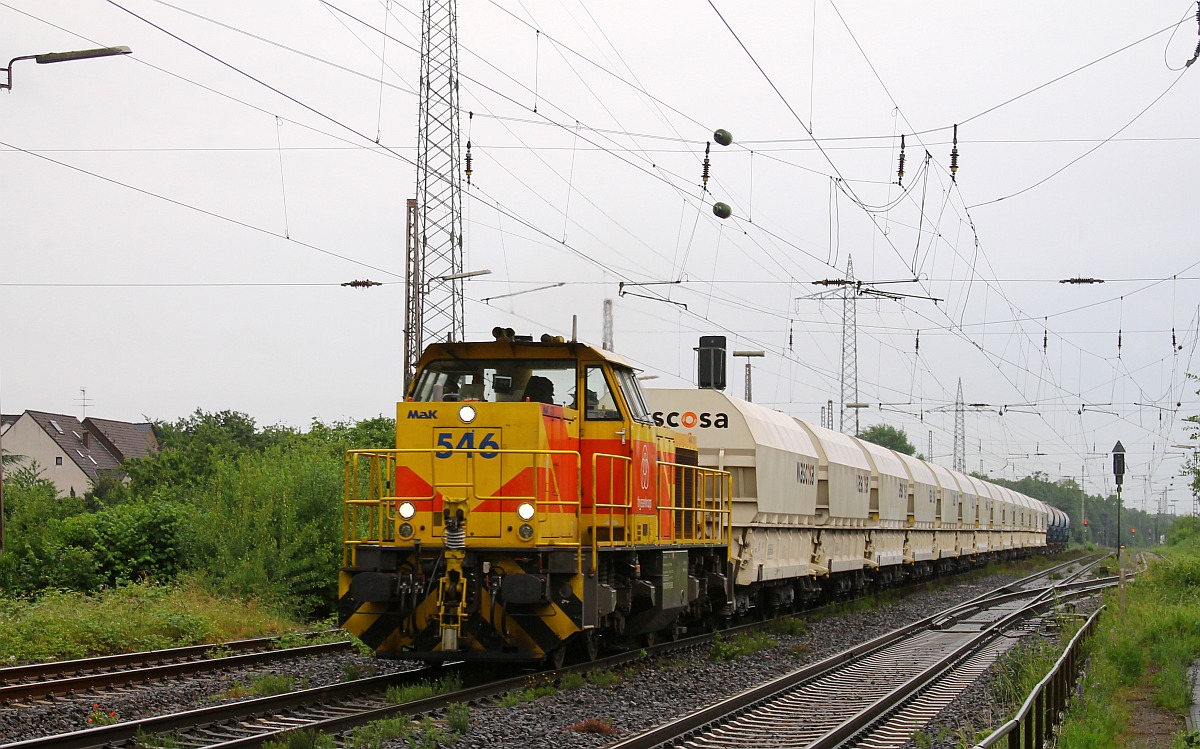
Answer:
(530, 506)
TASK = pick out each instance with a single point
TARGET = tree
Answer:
(889, 437)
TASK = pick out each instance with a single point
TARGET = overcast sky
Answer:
(175, 225)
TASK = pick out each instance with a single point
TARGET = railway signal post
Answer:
(1119, 474)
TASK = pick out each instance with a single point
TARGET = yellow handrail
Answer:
(698, 499)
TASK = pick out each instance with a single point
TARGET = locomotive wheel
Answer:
(556, 658)
(585, 646)
(650, 639)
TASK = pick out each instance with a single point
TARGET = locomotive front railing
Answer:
(690, 504)
(372, 498)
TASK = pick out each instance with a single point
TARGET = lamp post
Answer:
(6, 85)
(749, 355)
(1119, 474)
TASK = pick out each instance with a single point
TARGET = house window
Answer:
(58, 461)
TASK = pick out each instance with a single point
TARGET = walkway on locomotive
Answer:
(599, 458)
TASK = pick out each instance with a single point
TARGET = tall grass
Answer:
(140, 616)
(1148, 647)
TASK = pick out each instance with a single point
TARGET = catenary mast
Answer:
(434, 262)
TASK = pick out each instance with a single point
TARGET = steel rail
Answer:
(692, 725)
(118, 733)
(181, 661)
(41, 670)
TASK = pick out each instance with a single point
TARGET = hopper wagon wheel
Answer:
(650, 639)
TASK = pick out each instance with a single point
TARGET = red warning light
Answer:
(1085, 522)
(1133, 530)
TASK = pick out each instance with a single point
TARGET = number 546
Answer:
(487, 446)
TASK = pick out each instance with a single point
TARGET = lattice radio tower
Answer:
(434, 253)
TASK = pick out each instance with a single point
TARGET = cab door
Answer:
(605, 447)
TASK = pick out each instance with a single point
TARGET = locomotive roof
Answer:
(523, 349)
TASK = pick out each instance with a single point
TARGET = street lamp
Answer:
(749, 355)
(49, 57)
(6, 85)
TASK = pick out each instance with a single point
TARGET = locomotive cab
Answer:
(529, 503)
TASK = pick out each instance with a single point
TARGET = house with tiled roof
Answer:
(75, 454)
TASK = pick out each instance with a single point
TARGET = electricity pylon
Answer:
(434, 266)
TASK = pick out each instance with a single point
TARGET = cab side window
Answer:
(599, 404)
(633, 395)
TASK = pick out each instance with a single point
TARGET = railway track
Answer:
(39, 680)
(878, 693)
(339, 708)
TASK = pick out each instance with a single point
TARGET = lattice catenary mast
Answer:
(960, 432)
(434, 262)
(849, 350)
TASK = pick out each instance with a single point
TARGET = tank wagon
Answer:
(1059, 530)
(538, 501)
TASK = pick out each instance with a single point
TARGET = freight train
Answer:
(538, 502)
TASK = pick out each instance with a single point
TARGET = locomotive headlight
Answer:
(525, 511)
(466, 414)
(525, 532)
(407, 510)
(406, 530)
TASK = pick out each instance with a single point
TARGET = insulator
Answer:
(468, 163)
(704, 170)
(722, 210)
(1045, 341)
(1174, 345)
(723, 137)
(455, 538)
(900, 171)
(790, 337)
(954, 157)
(1118, 342)
(918, 342)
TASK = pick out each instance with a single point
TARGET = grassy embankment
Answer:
(60, 625)
(1137, 669)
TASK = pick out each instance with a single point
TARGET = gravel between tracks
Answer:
(72, 713)
(658, 692)
(646, 696)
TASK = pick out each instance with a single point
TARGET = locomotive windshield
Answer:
(633, 395)
(498, 380)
